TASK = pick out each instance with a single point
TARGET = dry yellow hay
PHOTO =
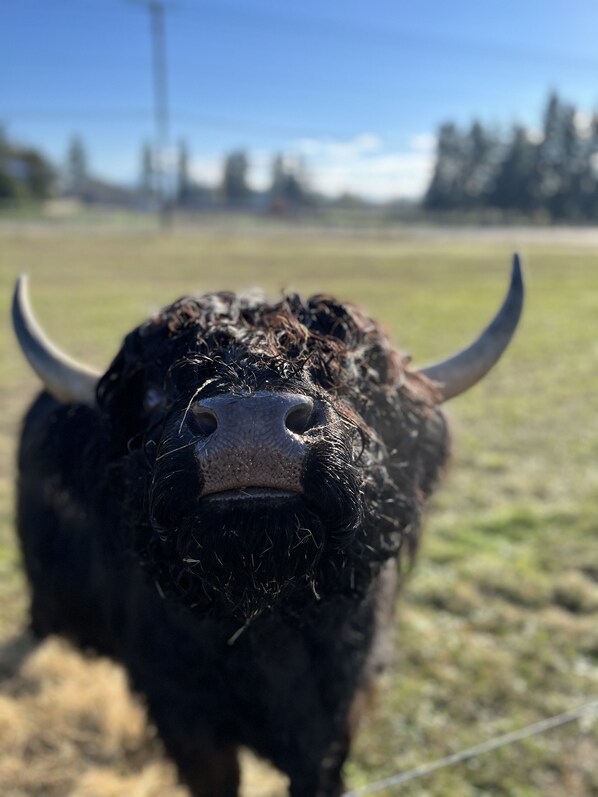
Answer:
(69, 727)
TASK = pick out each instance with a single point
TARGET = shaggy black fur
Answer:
(258, 624)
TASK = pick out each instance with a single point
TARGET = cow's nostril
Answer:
(300, 418)
(203, 421)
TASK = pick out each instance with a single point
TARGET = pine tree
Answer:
(552, 175)
(76, 168)
(513, 185)
(183, 183)
(588, 185)
(446, 189)
(481, 160)
(147, 173)
(557, 175)
(234, 178)
(289, 183)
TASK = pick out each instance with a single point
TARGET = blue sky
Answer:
(357, 88)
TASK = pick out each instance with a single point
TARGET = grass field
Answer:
(498, 626)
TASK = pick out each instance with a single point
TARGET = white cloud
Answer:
(206, 169)
(361, 165)
(385, 176)
(583, 123)
(260, 164)
(364, 165)
(338, 149)
(424, 142)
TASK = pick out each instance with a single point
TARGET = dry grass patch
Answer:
(69, 727)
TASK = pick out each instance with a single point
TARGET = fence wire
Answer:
(479, 749)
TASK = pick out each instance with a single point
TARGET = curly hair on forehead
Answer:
(339, 347)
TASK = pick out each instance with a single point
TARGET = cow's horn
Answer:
(464, 369)
(68, 381)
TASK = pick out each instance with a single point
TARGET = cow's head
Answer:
(261, 449)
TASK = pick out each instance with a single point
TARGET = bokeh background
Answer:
(394, 155)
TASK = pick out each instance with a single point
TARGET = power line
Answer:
(93, 114)
(588, 709)
(214, 121)
(227, 13)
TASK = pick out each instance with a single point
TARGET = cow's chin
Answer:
(244, 554)
(245, 551)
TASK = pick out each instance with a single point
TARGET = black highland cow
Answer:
(225, 511)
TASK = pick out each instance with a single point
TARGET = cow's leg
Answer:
(208, 766)
(322, 779)
(313, 758)
(207, 770)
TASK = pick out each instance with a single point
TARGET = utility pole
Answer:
(156, 10)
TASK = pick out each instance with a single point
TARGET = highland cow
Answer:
(228, 511)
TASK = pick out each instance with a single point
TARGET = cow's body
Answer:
(226, 512)
(285, 686)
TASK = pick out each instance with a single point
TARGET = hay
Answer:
(69, 727)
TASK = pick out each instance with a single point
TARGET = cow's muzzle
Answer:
(252, 445)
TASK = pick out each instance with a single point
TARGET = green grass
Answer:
(498, 624)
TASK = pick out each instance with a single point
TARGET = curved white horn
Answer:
(67, 380)
(460, 372)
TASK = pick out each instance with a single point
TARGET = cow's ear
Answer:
(458, 373)
(120, 401)
(433, 451)
(67, 380)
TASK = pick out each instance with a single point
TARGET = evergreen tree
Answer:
(481, 160)
(183, 186)
(446, 189)
(588, 184)
(234, 178)
(4, 145)
(147, 173)
(289, 183)
(24, 172)
(513, 185)
(567, 203)
(40, 174)
(551, 167)
(9, 188)
(559, 174)
(76, 169)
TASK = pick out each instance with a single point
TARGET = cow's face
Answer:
(274, 442)
(260, 450)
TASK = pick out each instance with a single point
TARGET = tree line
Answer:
(550, 174)
(289, 183)
(26, 174)
(545, 174)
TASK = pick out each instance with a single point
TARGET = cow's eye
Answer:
(154, 398)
